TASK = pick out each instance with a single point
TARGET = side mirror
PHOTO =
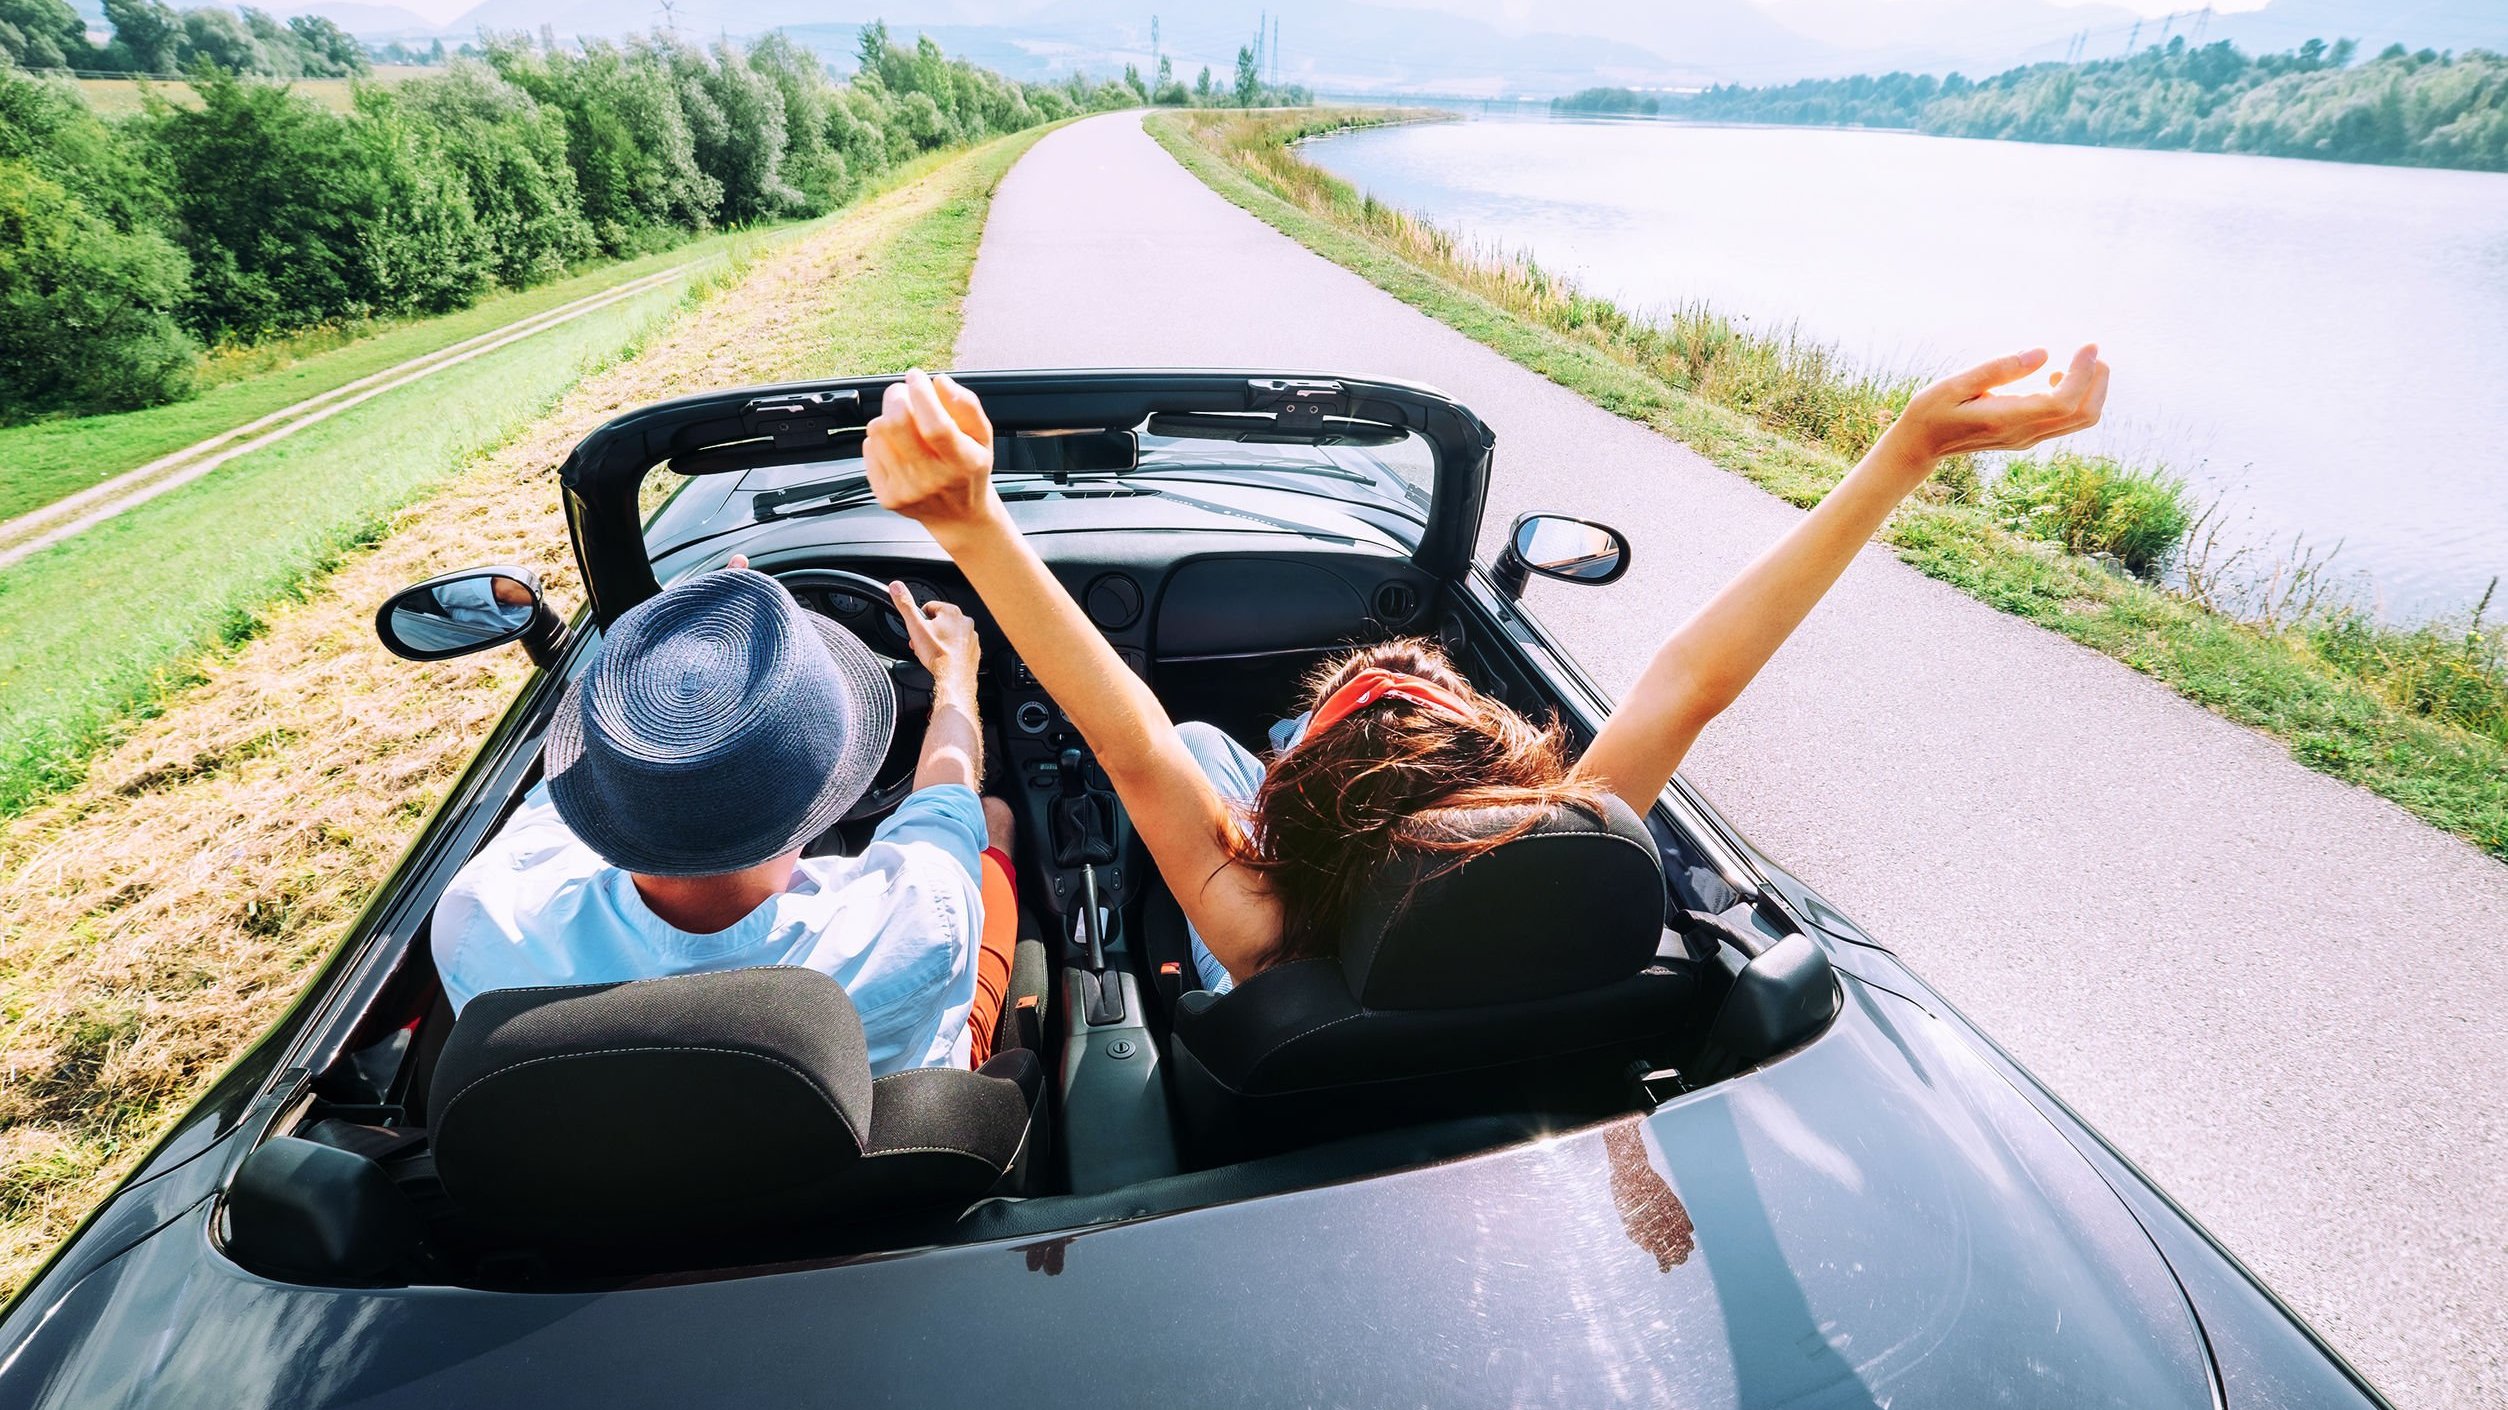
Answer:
(472, 610)
(1555, 546)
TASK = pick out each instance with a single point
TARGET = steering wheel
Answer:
(912, 683)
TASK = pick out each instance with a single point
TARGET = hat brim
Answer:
(631, 837)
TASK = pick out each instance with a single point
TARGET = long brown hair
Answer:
(1338, 805)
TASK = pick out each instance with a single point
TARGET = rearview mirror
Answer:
(1556, 546)
(472, 610)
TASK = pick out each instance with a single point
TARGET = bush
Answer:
(2455, 672)
(272, 200)
(510, 153)
(86, 310)
(2092, 504)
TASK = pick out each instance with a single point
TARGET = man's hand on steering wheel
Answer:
(943, 639)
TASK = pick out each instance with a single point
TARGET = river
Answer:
(2322, 348)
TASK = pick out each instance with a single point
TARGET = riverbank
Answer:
(2419, 716)
(158, 914)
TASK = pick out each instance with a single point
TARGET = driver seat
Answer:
(1524, 980)
(707, 1120)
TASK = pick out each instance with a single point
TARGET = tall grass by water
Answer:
(2114, 555)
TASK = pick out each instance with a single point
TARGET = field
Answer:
(155, 915)
(2419, 715)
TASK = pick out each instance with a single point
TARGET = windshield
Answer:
(1399, 474)
(1382, 468)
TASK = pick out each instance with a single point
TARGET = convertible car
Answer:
(1617, 1113)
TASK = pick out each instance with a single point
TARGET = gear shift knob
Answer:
(1073, 769)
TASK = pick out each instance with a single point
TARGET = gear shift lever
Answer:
(1084, 822)
(1095, 919)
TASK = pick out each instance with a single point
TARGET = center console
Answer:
(1113, 1097)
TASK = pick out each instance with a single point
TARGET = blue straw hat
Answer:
(720, 726)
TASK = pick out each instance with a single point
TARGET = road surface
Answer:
(2280, 994)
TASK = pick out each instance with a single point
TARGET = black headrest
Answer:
(681, 1108)
(1574, 903)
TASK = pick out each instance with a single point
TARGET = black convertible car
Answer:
(1616, 1115)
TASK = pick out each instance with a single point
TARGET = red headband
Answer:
(1376, 683)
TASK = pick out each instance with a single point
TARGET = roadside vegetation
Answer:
(2112, 555)
(159, 914)
(128, 245)
(2401, 108)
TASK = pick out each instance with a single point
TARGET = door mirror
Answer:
(469, 611)
(1555, 546)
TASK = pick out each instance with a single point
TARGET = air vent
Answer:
(1113, 602)
(1396, 602)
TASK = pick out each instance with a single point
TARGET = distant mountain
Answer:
(1479, 47)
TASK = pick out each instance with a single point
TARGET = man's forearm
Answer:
(953, 743)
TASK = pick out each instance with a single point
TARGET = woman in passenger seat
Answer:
(1265, 861)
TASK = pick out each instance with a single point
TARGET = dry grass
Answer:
(155, 919)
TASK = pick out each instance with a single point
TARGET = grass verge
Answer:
(157, 915)
(2418, 715)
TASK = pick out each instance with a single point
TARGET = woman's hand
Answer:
(1963, 413)
(929, 453)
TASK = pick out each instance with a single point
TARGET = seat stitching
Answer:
(976, 1156)
(648, 979)
(1309, 1033)
(806, 1079)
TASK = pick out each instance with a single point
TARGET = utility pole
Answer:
(1153, 58)
(1274, 51)
(2133, 38)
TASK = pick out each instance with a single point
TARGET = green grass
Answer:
(43, 461)
(2418, 715)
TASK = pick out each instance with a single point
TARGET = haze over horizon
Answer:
(1488, 48)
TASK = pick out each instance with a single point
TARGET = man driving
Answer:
(719, 731)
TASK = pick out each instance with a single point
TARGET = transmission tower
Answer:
(670, 16)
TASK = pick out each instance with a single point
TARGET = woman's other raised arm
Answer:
(1702, 667)
(929, 454)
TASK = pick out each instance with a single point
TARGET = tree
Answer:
(149, 32)
(510, 154)
(214, 36)
(43, 34)
(1201, 86)
(86, 310)
(271, 198)
(329, 51)
(1249, 79)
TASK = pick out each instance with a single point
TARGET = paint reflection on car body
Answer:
(1878, 1219)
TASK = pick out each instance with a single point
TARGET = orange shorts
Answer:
(996, 951)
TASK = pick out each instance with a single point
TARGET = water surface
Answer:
(2323, 346)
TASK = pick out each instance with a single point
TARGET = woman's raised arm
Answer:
(1701, 668)
(929, 454)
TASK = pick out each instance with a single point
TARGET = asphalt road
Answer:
(2280, 994)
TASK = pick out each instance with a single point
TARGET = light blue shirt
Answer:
(897, 925)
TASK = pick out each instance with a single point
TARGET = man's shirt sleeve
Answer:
(947, 815)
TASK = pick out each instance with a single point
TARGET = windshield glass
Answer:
(1399, 474)
(1374, 467)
